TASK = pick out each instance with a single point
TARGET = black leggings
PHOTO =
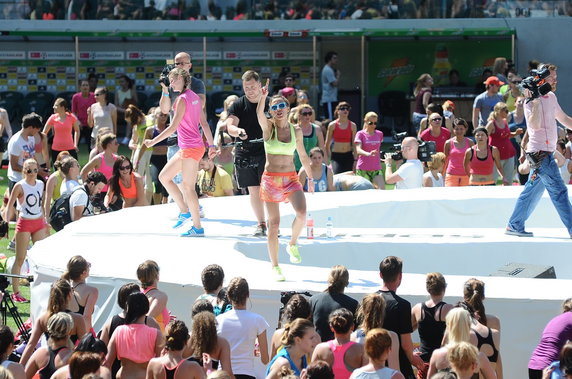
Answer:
(534, 374)
(157, 164)
(342, 162)
(73, 153)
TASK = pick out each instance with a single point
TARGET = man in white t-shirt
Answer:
(22, 146)
(80, 204)
(329, 79)
(410, 174)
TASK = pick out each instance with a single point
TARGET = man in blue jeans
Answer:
(541, 115)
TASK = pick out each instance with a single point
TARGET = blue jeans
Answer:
(547, 176)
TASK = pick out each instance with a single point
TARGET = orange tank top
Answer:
(131, 191)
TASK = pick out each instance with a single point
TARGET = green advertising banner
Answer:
(396, 65)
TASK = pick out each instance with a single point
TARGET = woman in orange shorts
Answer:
(280, 182)
(455, 149)
(31, 221)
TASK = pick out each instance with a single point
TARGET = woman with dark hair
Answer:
(339, 146)
(172, 365)
(455, 149)
(429, 317)
(331, 299)
(297, 307)
(378, 345)
(280, 181)
(91, 346)
(103, 162)
(66, 129)
(480, 160)
(341, 353)
(148, 275)
(6, 348)
(321, 174)
(125, 183)
(136, 126)
(474, 295)
(46, 360)
(298, 340)
(125, 95)
(101, 114)
(84, 295)
(422, 92)
(149, 341)
(61, 293)
(242, 328)
(317, 370)
(370, 315)
(204, 340)
(186, 120)
(562, 368)
(54, 183)
(311, 132)
(83, 363)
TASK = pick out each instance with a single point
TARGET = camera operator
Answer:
(168, 97)
(410, 174)
(249, 157)
(80, 199)
(541, 113)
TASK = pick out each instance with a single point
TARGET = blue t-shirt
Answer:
(486, 104)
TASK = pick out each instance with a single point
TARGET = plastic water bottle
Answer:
(309, 227)
(329, 228)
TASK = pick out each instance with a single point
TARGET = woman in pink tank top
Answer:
(481, 159)
(455, 149)
(134, 343)
(188, 115)
(342, 354)
(103, 162)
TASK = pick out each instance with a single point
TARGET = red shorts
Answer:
(30, 225)
(275, 187)
(195, 153)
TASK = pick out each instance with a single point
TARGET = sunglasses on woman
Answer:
(275, 107)
(29, 171)
(306, 113)
(436, 119)
(124, 168)
(370, 122)
(344, 109)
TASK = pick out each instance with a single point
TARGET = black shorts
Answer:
(249, 169)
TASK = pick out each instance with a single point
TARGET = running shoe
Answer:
(194, 232)
(12, 245)
(277, 273)
(511, 232)
(294, 254)
(17, 298)
(260, 230)
(182, 219)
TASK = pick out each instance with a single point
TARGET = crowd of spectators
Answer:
(324, 335)
(283, 10)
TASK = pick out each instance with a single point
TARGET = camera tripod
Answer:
(7, 305)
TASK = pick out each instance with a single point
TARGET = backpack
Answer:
(60, 214)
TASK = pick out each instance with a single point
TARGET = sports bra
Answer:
(135, 342)
(481, 166)
(81, 308)
(488, 340)
(342, 135)
(198, 360)
(162, 143)
(339, 367)
(106, 170)
(128, 192)
(170, 372)
(47, 371)
(164, 317)
(276, 147)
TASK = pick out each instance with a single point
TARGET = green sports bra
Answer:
(275, 147)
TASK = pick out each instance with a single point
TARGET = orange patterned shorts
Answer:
(275, 187)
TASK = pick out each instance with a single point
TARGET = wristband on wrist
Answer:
(165, 94)
(212, 146)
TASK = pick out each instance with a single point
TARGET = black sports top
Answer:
(431, 331)
(488, 340)
(50, 368)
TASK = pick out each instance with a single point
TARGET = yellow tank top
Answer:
(276, 147)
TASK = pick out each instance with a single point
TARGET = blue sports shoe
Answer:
(194, 232)
(182, 219)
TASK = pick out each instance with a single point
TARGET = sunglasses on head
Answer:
(30, 170)
(123, 168)
(306, 113)
(281, 105)
(344, 109)
(436, 119)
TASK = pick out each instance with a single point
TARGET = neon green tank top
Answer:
(275, 147)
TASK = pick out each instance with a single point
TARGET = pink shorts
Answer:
(195, 153)
(30, 225)
(275, 187)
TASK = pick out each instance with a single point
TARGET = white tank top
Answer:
(31, 202)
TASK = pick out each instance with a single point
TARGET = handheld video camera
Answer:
(536, 83)
(424, 152)
(164, 77)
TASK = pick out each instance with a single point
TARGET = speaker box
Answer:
(525, 270)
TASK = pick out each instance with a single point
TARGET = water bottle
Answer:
(329, 228)
(309, 227)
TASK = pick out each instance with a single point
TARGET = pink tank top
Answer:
(339, 368)
(501, 140)
(482, 166)
(106, 170)
(135, 342)
(456, 164)
(188, 131)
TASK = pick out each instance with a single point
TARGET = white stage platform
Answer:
(457, 231)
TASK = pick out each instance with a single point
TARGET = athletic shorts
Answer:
(456, 180)
(30, 225)
(275, 187)
(249, 169)
(487, 183)
(194, 153)
(369, 175)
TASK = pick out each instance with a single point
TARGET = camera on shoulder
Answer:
(536, 83)
(164, 77)
(424, 152)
